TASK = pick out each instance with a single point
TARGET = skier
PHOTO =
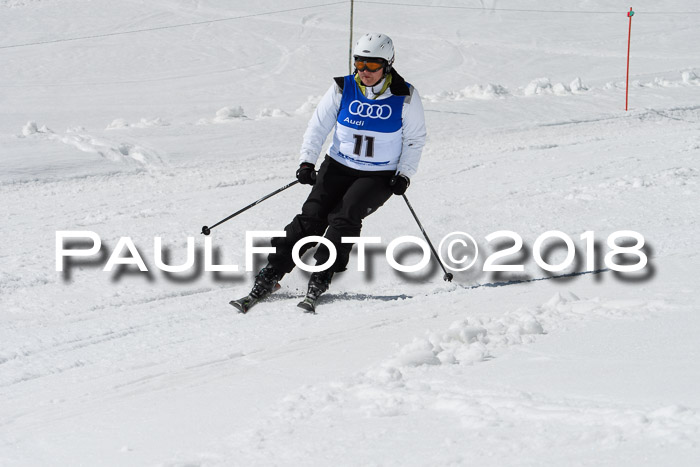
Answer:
(379, 136)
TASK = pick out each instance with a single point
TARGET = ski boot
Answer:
(266, 282)
(318, 283)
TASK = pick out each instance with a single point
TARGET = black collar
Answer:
(398, 85)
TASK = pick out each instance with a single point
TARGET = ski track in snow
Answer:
(111, 150)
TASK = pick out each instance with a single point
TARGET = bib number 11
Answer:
(369, 145)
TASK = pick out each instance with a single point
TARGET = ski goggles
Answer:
(371, 65)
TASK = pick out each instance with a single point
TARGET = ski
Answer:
(308, 304)
(244, 304)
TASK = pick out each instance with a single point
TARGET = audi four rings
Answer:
(361, 109)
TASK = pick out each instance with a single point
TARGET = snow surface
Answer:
(156, 133)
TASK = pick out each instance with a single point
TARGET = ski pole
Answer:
(207, 230)
(448, 276)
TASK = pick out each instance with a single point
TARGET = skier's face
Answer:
(370, 78)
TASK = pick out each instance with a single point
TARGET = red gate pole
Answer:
(629, 37)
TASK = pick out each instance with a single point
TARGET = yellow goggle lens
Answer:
(361, 65)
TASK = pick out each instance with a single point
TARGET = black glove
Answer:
(306, 174)
(399, 183)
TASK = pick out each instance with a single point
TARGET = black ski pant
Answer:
(341, 198)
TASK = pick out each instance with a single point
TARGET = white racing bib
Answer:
(368, 133)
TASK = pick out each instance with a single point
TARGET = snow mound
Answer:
(639, 84)
(473, 340)
(476, 91)
(689, 77)
(470, 341)
(577, 86)
(665, 83)
(657, 82)
(544, 86)
(224, 115)
(539, 86)
(265, 113)
(496, 91)
(121, 123)
(31, 128)
(227, 113)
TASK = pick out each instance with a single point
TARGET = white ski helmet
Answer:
(375, 45)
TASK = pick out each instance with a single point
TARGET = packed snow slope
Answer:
(147, 119)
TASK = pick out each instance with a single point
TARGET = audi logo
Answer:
(361, 109)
